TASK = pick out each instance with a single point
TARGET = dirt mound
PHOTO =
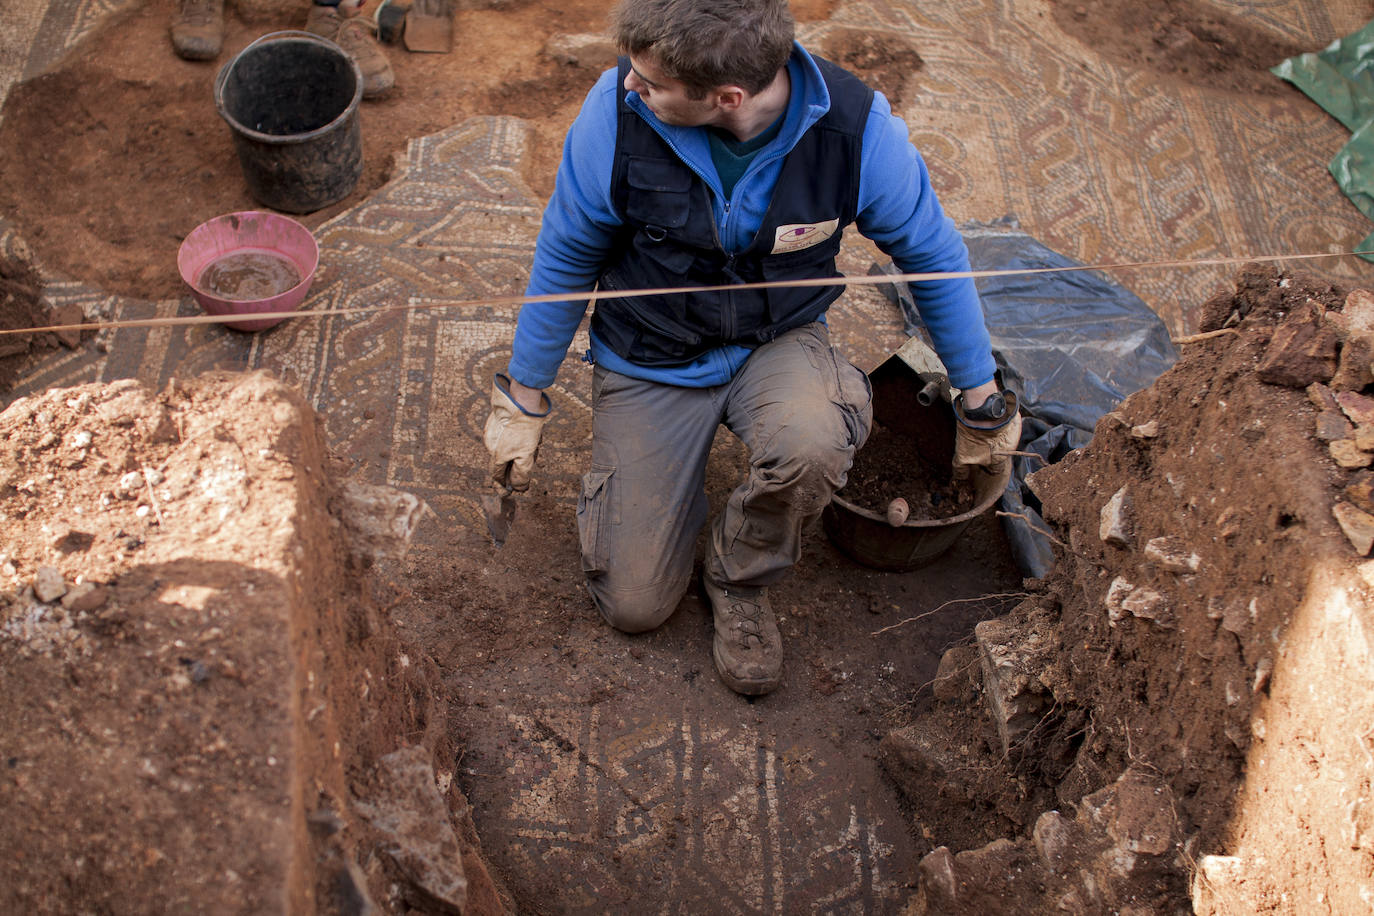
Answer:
(184, 644)
(1127, 701)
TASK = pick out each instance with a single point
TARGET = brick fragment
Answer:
(1303, 350)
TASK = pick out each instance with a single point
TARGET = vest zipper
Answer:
(727, 312)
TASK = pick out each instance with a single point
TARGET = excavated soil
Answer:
(139, 155)
(890, 467)
(1207, 480)
(1112, 760)
(184, 637)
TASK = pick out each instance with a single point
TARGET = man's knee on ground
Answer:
(635, 610)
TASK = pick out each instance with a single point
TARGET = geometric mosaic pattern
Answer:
(676, 810)
(1107, 165)
(38, 32)
(1100, 164)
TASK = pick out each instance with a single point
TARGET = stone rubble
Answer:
(1124, 838)
(1012, 653)
(1116, 520)
(1125, 835)
(379, 522)
(592, 52)
(1172, 554)
(1305, 348)
(1331, 356)
(411, 814)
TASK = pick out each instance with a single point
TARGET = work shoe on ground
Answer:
(356, 38)
(747, 647)
(198, 29)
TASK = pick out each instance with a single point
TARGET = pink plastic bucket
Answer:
(247, 232)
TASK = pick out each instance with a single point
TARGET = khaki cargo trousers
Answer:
(801, 409)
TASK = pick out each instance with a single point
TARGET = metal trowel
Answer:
(499, 508)
(429, 26)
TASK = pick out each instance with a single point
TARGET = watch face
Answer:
(993, 413)
(994, 408)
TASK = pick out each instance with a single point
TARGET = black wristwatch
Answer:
(994, 413)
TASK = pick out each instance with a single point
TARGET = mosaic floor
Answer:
(1101, 164)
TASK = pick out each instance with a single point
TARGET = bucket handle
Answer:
(223, 76)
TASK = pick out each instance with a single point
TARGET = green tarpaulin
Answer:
(1341, 80)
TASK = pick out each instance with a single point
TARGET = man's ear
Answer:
(730, 98)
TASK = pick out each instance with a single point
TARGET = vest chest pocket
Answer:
(788, 306)
(795, 263)
(659, 193)
(676, 260)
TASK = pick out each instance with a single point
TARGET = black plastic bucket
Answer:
(903, 404)
(291, 99)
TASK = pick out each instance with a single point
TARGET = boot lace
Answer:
(746, 617)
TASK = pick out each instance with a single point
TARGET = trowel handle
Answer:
(932, 391)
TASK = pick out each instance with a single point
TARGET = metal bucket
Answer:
(866, 537)
(291, 100)
(909, 391)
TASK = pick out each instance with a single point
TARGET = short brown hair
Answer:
(708, 43)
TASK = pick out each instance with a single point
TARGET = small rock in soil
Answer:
(1357, 525)
(48, 584)
(1115, 528)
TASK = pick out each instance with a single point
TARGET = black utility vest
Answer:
(669, 238)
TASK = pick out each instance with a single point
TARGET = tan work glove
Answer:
(984, 438)
(512, 436)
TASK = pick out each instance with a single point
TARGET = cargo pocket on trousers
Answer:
(847, 386)
(596, 513)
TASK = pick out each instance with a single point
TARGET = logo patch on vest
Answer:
(796, 236)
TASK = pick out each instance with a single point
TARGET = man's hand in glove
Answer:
(984, 434)
(512, 433)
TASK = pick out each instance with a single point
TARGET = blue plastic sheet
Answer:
(1071, 344)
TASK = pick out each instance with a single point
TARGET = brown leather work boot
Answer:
(356, 38)
(198, 29)
(747, 647)
(323, 21)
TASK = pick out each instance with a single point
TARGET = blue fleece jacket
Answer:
(898, 211)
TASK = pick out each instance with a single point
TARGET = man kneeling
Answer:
(720, 152)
